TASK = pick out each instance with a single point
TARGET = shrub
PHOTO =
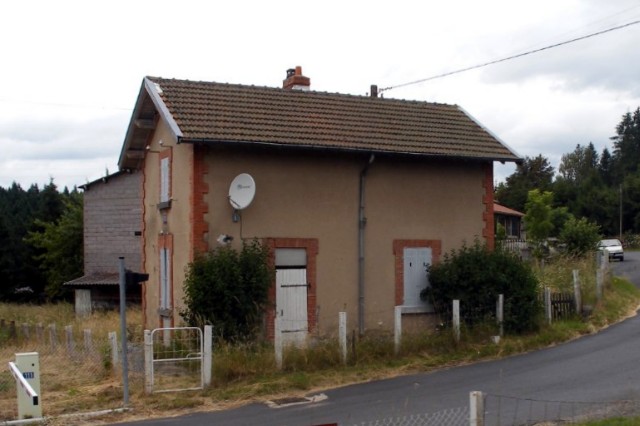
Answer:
(580, 236)
(476, 276)
(228, 290)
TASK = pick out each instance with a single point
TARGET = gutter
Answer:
(362, 221)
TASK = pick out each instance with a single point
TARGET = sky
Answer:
(70, 71)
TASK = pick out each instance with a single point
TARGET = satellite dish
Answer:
(242, 191)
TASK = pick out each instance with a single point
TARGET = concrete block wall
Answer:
(112, 217)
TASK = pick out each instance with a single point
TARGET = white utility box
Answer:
(29, 405)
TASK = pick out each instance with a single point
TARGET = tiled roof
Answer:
(498, 208)
(96, 279)
(215, 112)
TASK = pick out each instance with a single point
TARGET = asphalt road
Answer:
(600, 367)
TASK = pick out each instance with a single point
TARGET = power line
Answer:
(519, 55)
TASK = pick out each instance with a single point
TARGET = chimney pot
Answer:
(295, 80)
(374, 91)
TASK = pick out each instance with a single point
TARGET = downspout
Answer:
(362, 221)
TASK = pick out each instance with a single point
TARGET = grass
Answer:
(246, 372)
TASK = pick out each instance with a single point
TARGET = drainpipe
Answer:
(362, 221)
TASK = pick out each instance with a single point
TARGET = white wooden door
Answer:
(291, 305)
(416, 261)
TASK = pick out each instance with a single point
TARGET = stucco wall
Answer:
(314, 195)
(112, 216)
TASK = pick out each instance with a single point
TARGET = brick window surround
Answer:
(398, 252)
(311, 247)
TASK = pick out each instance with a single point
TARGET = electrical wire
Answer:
(508, 58)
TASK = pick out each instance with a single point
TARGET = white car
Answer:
(613, 247)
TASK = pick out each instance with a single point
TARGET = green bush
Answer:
(580, 236)
(229, 290)
(476, 276)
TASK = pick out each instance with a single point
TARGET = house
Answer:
(112, 228)
(355, 195)
(510, 219)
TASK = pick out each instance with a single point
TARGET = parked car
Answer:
(613, 247)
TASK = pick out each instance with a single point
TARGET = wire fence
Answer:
(452, 417)
(501, 410)
(76, 370)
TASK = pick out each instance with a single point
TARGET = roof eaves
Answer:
(346, 149)
(518, 158)
(154, 90)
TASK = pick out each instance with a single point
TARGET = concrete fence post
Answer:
(207, 353)
(577, 294)
(113, 343)
(277, 342)
(547, 304)
(500, 314)
(342, 335)
(68, 332)
(456, 320)
(397, 328)
(88, 340)
(53, 336)
(148, 362)
(476, 409)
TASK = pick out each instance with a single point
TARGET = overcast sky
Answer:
(71, 70)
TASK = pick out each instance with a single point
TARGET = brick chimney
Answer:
(295, 80)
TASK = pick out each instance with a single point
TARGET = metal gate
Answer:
(174, 358)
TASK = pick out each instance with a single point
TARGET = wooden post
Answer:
(397, 329)
(456, 320)
(342, 335)
(577, 291)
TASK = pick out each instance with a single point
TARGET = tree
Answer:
(61, 246)
(626, 146)
(580, 165)
(533, 173)
(538, 217)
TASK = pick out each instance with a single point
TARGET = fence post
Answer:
(342, 335)
(87, 339)
(577, 294)
(547, 304)
(40, 332)
(476, 409)
(53, 336)
(277, 342)
(25, 331)
(397, 328)
(599, 283)
(148, 362)
(207, 353)
(68, 335)
(456, 320)
(500, 314)
(113, 342)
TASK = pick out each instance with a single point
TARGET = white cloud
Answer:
(76, 66)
